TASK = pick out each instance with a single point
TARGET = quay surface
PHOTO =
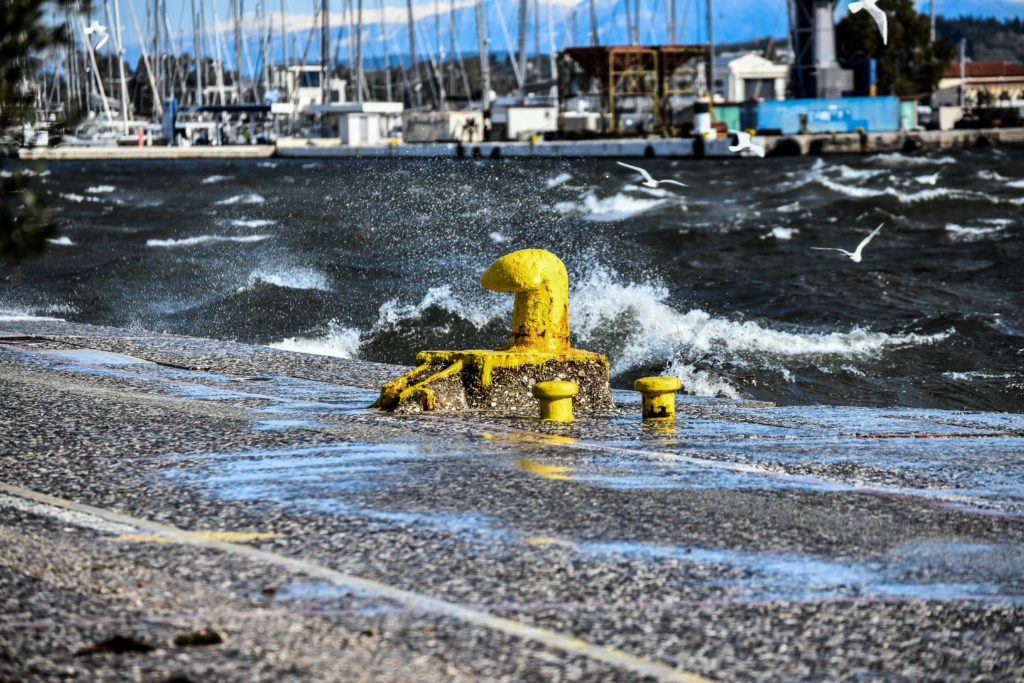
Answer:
(186, 509)
(624, 148)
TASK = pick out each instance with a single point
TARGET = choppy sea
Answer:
(717, 282)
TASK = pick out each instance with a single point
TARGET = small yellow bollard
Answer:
(555, 400)
(659, 396)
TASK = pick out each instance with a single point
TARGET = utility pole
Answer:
(485, 55)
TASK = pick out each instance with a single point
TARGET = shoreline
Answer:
(625, 148)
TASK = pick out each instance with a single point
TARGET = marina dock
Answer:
(188, 509)
(683, 148)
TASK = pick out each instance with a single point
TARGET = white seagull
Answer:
(743, 142)
(877, 14)
(648, 180)
(100, 30)
(854, 256)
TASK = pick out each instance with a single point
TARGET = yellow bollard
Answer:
(659, 396)
(555, 400)
(540, 314)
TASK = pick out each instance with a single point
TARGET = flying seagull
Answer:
(854, 256)
(877, 14)
(743, 142)
(648, 180)
(100, 30)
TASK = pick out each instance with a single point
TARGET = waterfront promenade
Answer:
(184, 509)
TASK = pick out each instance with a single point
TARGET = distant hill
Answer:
(987, 39)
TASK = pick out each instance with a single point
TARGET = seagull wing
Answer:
(841, 251)
(856, 7)
(674, 182)
(645, 174)
(864, 242)
(881, 19)
(758, 150)
(103, 40)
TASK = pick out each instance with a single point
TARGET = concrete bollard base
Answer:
(496, 381)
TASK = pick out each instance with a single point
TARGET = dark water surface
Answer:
(716, 283)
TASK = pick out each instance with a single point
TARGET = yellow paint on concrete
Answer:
(540, 314)
(226, 536)
(541, 470)
(555, 400)
(659, 396)
(547, 540)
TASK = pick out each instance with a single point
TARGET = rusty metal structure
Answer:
(632, 74)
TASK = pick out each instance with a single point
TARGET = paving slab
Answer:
(155, 490)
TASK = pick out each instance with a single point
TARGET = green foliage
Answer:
(987, 39)
(25, 223)
(910, 64)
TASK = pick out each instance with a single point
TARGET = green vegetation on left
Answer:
(25, 35)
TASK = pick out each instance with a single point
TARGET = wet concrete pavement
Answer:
(153, 487)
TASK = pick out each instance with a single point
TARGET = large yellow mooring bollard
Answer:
(538, 352)
(659, 396)
(540, 313)
(555, 400)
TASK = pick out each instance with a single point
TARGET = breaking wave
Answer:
(251, 198)
(252, 222)
(614, 208)
(291, 278)
(203, 239)
(340, 342)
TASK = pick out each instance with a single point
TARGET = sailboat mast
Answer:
(359, 51)
(413, 64)
(325, 51)
(384, 41)
(119, 46)
(485, 55)
(522, 47)
(593, 25)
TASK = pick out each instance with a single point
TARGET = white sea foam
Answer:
(77, 198)
(340, 342)
(211, 179)
(986, 174)
(497, 237)
(63, 241)
(968, 234)
(251, 198)
(781, 233)
(1016, 184)
(973, 374)
(614, 208)
(856, 173)
(267, 164)
(479, 311)
(100, 189)
(292, 278)
(897, 159)
(789, 208)
(252, 222)
(24, 315)
(658, 333)
(560, 179)
(203, 239)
